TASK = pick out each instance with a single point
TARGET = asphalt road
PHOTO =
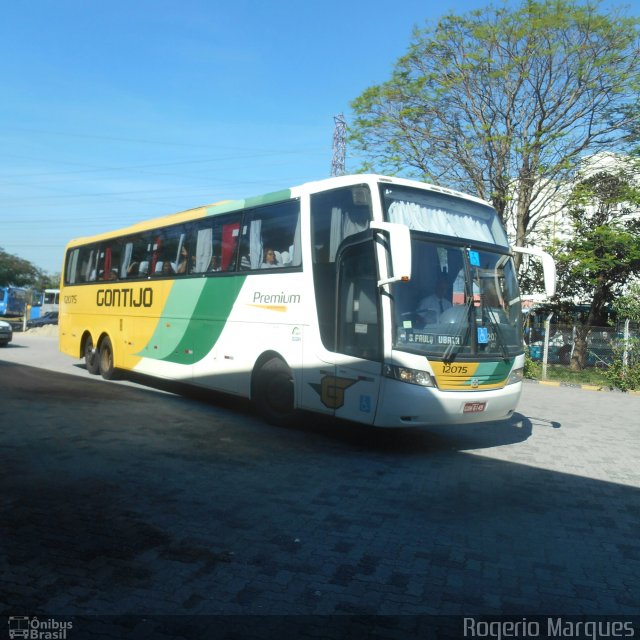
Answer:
(122, 498)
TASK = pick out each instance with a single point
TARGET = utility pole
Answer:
(339, 145)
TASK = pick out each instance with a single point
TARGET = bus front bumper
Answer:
(410, 405)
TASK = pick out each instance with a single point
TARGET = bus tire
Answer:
(107, 368)
(91, 357)
(274, 392)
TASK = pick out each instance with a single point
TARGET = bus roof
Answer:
(228, 206)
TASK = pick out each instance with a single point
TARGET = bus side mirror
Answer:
(400, 249)
(548, 268)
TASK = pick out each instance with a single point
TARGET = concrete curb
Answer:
(586, 387)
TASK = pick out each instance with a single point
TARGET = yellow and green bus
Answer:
(380, 300)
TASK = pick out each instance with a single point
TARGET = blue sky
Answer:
(114, 112)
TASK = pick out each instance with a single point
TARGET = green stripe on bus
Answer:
(268, 198)
(492, 372)
(225, 207)
(256, 201)
(181, 303)
(211, 312)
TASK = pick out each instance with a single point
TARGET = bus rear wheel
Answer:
(91, 357)
(107, 368)
(273, 393)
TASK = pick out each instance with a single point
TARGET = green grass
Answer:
(562, 373)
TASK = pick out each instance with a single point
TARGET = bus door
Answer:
(356, 363)
(359, 353)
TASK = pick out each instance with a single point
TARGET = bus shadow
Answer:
(420, 440)
(318, 428)
(408, 441)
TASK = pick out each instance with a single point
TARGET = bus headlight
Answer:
(412, 376)
(516, 376)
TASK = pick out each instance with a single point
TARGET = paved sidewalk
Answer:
(585, 387)
(119, 499)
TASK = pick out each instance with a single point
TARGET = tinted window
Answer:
(216, 244)
(270, 237)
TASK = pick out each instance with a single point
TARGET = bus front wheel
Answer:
(273, 392)
(91, 357)
(107, 368)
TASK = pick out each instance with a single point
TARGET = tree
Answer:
(624, 371)
(22, 273)
(628, 305)
(504, 102)
(17, 271)
(603, 253)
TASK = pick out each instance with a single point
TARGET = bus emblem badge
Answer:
(475, 383)
(331, 390)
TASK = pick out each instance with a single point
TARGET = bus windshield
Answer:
(459, 302)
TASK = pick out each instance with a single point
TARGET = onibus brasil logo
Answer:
(36, 629)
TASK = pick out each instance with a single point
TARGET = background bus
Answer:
(315, 298)
(37, 298)
(50, 300)
(13, 301)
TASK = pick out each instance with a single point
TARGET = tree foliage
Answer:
(628, 305)
(504, 101)
(603, 253)
(22, 273)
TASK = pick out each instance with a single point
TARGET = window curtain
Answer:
(204, 249)
(72, 270)
(295, 250)
(255, 244)
(92, 265)
(344, 224)
(449, 223)
(178, 253)
(126, 259)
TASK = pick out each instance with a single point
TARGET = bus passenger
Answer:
(430, 308)
(167, 268)
(184, 260)
(269, 259)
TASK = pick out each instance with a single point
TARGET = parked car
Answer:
(559, 349)
(558, 354)
(6, 333)
(600, 350)
(51, 317)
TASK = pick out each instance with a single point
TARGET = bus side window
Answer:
(271, 237)
(90, 258)
(171, 255)
(216, 242)
(134, 261)
(335, 215)
(72, 275)
(111, 265)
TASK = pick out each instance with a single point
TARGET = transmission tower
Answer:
(339, 145)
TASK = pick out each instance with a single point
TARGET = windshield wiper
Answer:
(452, 349)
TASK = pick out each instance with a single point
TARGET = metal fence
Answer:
(604, 344)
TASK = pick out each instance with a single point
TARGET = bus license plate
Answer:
(474, 407)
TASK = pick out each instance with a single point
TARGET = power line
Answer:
(242, 156)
